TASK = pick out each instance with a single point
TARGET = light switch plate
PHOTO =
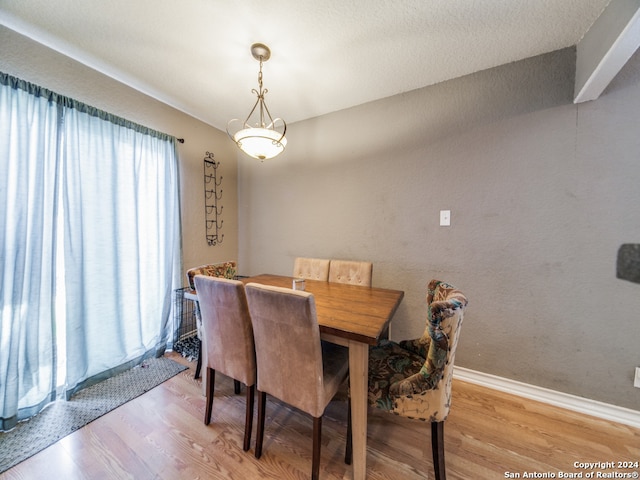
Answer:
(445, 218)
(636, 380)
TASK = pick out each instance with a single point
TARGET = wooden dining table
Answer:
(353, 316)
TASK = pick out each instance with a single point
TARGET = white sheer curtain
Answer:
(121, 243)
(28, 172)
(90, 205)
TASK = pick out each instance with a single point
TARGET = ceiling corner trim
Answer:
(606, 47)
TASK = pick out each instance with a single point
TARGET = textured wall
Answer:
(37, 64)
(542, 194)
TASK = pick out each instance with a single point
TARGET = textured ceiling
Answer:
(327, 55)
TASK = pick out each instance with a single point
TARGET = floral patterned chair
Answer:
(413, 378)
(223, 270)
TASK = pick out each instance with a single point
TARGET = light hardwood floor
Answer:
(488, 435)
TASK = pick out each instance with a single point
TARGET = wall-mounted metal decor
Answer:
(212, 196)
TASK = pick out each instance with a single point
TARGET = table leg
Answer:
(358, 378)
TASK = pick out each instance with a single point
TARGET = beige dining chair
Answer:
(351, 272)
(311, 268)
(222, 270)
(227, 338)
(413, 378)
(293, 364)
(354, 273)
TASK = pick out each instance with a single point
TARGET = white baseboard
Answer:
(574, 403)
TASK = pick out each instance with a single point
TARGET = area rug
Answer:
(64, 417)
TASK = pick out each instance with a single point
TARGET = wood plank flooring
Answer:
(488, 435)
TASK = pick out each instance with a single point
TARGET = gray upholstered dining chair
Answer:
(351, 272)
(413, 378)
(227, 338)
(221, 269)
(311, 268)
(293, 364)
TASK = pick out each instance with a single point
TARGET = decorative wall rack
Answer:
(212, 196)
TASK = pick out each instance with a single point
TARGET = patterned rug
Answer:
(61, 418)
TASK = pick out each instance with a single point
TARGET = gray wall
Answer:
(30, 61)
(542, 194)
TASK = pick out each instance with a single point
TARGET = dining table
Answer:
(354, 316)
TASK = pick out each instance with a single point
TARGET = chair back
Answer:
(288, 349)
(223, 269)
(444, 322)
(311, 268)
(351, 272)
(227, 332)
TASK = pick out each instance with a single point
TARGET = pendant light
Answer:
(260, 137)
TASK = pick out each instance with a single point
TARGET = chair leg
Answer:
(248, 421)
(317, 436)
(199, 362)
(262, 404)
(210, 380)
(236, 387)
(437, 447)
(348, 454)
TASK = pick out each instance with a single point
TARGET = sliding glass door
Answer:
(90, 248)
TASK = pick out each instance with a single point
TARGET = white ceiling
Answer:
(327, 55)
